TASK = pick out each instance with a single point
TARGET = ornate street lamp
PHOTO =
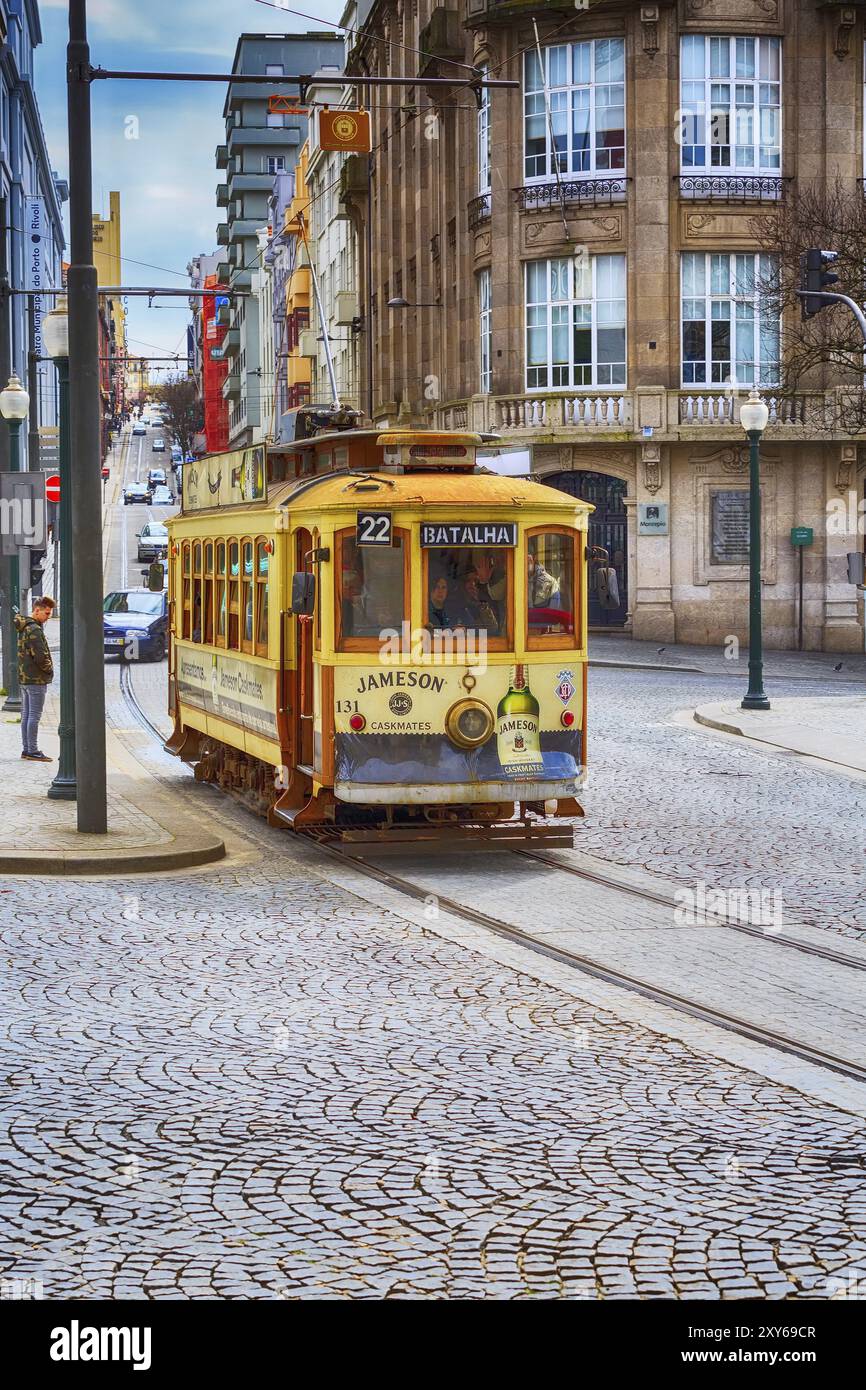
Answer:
(55, 337)
(14, 405)
(753, 418)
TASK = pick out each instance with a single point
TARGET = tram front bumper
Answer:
(459, 793)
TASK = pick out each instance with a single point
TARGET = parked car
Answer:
(136, 492)
(139, 427)
(159, 446)
(176, 453)
(135, 624)
(162, 496)
(156, 477)
(152, 541)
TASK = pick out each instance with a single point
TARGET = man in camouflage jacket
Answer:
(35, 674)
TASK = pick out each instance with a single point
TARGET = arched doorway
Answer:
(608, 527)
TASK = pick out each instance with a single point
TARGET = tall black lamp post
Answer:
(55, 337)
(14, 405)
(753, 418)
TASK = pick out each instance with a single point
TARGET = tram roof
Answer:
(436, 488)
(356, 489)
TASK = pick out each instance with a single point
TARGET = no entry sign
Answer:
(52, 487)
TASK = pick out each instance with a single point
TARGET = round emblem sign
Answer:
(400, 704)
(345, 127)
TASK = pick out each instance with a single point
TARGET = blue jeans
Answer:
(32, 705)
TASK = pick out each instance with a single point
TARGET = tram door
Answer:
(304, 700)
(608, 527)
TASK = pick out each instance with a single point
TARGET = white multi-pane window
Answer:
(586, 92)
(575, 322)
(731, 104)
(485, 328)
(729, 332)
(484, 137)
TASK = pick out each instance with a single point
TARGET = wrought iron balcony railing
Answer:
(553, 194)
(478, 211)
(732, 188)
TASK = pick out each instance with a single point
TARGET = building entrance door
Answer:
(608, 527)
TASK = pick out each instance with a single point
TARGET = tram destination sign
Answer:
(438, 533)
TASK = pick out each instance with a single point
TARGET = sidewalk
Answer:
(148, 830)
(611, 649)
(829, 727)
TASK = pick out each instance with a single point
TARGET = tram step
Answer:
(468, 838)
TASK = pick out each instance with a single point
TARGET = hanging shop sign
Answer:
(344, 130)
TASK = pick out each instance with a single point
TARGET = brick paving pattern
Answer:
(254, 1085)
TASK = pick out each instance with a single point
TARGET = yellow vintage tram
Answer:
(374, 635)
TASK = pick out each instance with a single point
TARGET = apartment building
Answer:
(31, 226)
(334, 255)
(259, 144)
(579, 265)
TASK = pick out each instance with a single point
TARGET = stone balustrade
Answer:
(669, 415)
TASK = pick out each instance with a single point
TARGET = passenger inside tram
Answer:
(440, 609)
(479, 612)
(550, 585)
(476, 590)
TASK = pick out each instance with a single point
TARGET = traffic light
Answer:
(156, 577)
(37, 566)
(816, 276)
(856, 567)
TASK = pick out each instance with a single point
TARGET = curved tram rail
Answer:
(337, 848)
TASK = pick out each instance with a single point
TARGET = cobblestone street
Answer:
(246, 1081)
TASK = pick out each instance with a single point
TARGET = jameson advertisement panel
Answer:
(504, 725)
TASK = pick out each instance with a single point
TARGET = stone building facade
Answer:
(580, 265)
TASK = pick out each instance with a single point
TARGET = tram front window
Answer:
(468, 590)
(371, 588)
(550, 586)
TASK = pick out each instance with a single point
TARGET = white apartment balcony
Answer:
(647, 412)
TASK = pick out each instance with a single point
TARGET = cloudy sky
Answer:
(167, 176)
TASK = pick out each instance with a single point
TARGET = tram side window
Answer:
(221, 593)
(551, 588)
(248, 596)
(186, 593)
(262, 559)
(234, 596)
(207, 630)
(196, 592)
(371, 594)
(469, 589)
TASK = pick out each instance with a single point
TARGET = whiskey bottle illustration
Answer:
(517, 738)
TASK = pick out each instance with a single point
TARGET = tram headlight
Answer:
(469, 723)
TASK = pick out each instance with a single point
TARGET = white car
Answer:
(139, 428)
(162, 496)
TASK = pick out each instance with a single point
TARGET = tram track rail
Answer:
(347, 854)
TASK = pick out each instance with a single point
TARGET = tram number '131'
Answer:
(374, 528)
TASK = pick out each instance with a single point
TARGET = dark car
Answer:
(135, 624)
(134, 493)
